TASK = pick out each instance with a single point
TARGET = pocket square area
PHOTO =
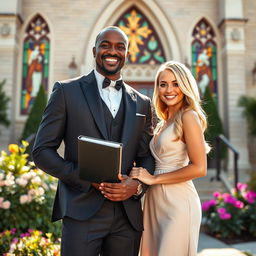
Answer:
(138, 114)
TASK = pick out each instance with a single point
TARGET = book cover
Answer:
(99, 160)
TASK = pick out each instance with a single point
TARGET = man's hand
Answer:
(119, 191)
(96, 185)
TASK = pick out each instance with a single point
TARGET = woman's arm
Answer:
(194, 139)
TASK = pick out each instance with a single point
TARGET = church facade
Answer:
(45, 41)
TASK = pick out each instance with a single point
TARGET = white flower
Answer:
(30, 198)
(20, 245)
(40, 191)
(26, 176)
(2, 183)
(25, 168)
(6, 205)
(45, 186)
(9, 180)
(32, 192)
(31, 163)
(11, 167)
(24, 199)
(40, 172)
(21, 182)
(53, 187)
(12, 248)
(33, 174)
(1, 176)
(36, 180)
(9, 176)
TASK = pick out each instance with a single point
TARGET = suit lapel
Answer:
(129, 114)
(91, 93)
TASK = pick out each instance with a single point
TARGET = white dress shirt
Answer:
(109, 95)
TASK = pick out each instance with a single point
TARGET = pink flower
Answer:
(212, 202)
(208, 204)
(6, 205)
(221, 210)
(205, 206)
(238, 204)
(229, 199)
(30, 230)
(24, 235)
(13, 231)
(225, 216)
(216, 194)
(250, 196)
(15, 240)
(241, 186)
(23, 199)
(225, 195)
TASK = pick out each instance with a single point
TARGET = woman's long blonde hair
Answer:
(191, 101)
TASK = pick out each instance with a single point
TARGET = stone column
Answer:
(231, 25)
(10, 23)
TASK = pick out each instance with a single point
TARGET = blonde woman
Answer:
(172, 210)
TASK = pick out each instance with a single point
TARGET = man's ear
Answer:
(127, 55)
(94, 51)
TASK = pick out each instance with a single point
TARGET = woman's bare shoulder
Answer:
(190, 116)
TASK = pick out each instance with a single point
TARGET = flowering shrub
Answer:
(229, 215)
(30, 243)
(26, 193)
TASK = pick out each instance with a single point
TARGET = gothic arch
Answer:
(35, 59)
(113, 11)
(204, 56)
(145, 46)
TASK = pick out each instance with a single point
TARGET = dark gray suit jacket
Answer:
(75, 108)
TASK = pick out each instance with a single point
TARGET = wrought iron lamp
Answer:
(254, 74)
(72, 68)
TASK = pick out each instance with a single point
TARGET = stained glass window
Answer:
(204, 57)
(35, 68)
(144, 44)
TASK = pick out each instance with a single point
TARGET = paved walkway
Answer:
(209, 246)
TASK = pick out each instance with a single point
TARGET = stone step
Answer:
(205, 186)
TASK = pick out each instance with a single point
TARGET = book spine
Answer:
(120, 160)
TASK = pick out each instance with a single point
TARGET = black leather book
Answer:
(99, 160)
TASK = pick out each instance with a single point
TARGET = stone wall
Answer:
(71, 24)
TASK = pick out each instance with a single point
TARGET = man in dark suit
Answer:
(98, 219)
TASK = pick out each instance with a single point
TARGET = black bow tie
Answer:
(106, 83)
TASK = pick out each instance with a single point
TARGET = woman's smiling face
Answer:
(169, 91)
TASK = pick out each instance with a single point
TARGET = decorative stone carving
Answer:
(5, 30)
(138, 72)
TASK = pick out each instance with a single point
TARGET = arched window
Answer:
(145, 46)
(35, 68)
(204, 57)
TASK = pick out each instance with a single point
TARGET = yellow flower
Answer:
(24, 143)
(13, 148)
(37, 233)
(49, 235)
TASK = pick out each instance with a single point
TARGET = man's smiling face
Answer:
(110, 53)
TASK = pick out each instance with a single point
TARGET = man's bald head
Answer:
(111, 28)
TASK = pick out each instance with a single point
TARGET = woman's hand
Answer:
(143, 175)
